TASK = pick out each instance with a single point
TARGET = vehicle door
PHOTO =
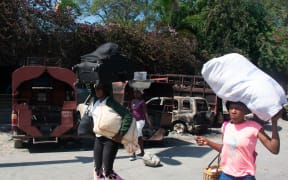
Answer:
(185, 111)
(169, 105)
(155, 109)
(203, 113)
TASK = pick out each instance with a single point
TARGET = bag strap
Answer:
(216, 157)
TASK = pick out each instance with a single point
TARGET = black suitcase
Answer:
(87, 73)
(105, 64)
(102, 53)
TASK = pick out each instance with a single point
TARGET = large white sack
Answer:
(234, 78)
(107, 123)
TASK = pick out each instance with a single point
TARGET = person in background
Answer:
(105, 149)
(239, 139)
(139, 111)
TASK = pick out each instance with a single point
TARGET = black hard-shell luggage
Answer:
(104, 64)
(87, 72)
(102, 53)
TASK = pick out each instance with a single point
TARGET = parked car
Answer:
(183, 114)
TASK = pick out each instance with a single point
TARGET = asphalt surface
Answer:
(181, 158)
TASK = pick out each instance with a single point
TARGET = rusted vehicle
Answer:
(187, 114)
(44, 101)
(195, 86)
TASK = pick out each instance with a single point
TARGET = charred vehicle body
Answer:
(44, 104)
(185, 114)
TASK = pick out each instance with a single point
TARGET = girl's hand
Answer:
(277, 116)
(200, 140)
(117, 138)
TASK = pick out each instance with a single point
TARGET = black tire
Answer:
(179, 128)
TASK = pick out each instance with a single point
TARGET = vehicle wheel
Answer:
(179, 128)
(18, 143)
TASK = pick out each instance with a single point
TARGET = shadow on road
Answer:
(67, 145)
(5, 128)
(44, 163)
(179, 148)
(169, 156)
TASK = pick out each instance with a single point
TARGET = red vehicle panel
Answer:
(43, 104)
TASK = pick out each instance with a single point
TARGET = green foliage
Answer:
(167, 36)
(53, 33)
(190, 16)
(69, 6)
(243, 26)
(165, 9)
(274, 51)
(125, 12)
(230, 25)
(31, 28)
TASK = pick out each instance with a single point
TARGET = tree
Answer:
(165, 32)
(274, 51)
(125, 12)
(240, 26)
(27, 29)
(164, 11)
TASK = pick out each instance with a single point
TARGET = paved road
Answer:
(180, 157)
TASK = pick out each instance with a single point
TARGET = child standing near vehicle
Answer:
(139, 112)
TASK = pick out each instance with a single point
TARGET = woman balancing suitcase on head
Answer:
(105, 148)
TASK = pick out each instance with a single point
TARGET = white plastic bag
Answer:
(234, 78)
(151, 160)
